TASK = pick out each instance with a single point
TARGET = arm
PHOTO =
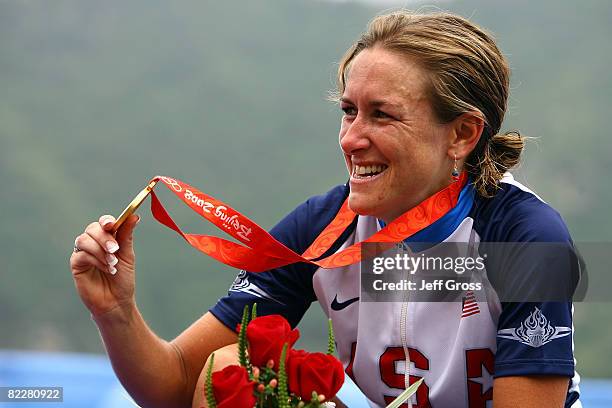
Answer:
(155, 372)
(339, 403)
(158, 373)
(534, 276)
(530, 392)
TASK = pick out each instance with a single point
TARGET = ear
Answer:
(466, 130)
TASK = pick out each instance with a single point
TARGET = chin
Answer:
(363, 205)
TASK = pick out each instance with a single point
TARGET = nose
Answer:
(354, 136)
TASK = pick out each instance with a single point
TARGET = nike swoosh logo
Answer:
(335, 305)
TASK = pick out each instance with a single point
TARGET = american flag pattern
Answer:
(470, 307)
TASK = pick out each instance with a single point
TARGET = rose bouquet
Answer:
(271, 373)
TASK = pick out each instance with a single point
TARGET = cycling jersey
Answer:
(456, 347)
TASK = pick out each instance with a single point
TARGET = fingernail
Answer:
(112, 247)
(106, 221)
(111, 260)
(112, 270)
(138, 219)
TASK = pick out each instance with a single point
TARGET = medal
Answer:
(260, 251)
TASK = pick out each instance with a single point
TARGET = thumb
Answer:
(125, 234)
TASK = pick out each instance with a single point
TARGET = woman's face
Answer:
(396, 152)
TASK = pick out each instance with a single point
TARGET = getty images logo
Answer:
(535, 330)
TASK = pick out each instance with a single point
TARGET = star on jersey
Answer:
(242, 284)
(535, 330)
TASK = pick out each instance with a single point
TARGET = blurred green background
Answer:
(98, 97)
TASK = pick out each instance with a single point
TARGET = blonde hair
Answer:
(467, 73)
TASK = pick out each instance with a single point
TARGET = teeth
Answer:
(369, 170)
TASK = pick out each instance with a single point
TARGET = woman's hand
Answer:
(102, 265)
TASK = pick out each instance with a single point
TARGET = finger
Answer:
(125, 233)
(107, 222)
(83, 261)
(103, 238)
(86, 243)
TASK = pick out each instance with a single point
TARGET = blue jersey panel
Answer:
(287, 290)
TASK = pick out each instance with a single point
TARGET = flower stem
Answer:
(243, 358)
(283, 392)
(331, 341)
(208, 390)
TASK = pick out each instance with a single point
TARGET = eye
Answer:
(349, 110)
(382, 115)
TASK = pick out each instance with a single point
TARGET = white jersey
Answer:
(458, 348)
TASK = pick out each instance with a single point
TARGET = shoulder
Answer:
(517, 214)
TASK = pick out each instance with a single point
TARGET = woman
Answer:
(423, 98)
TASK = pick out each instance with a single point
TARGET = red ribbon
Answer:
(262, 252)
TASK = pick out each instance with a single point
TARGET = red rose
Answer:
(232, 388)
(308, 372)
(266, 336)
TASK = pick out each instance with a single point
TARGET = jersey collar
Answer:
(445, 226)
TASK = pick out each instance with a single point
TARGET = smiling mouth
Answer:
(364, 172)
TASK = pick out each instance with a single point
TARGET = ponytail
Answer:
(497, 155)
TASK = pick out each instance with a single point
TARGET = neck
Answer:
(410, 204)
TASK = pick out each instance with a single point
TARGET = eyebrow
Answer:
(374, 103)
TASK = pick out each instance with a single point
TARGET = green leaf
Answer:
(403, 397)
